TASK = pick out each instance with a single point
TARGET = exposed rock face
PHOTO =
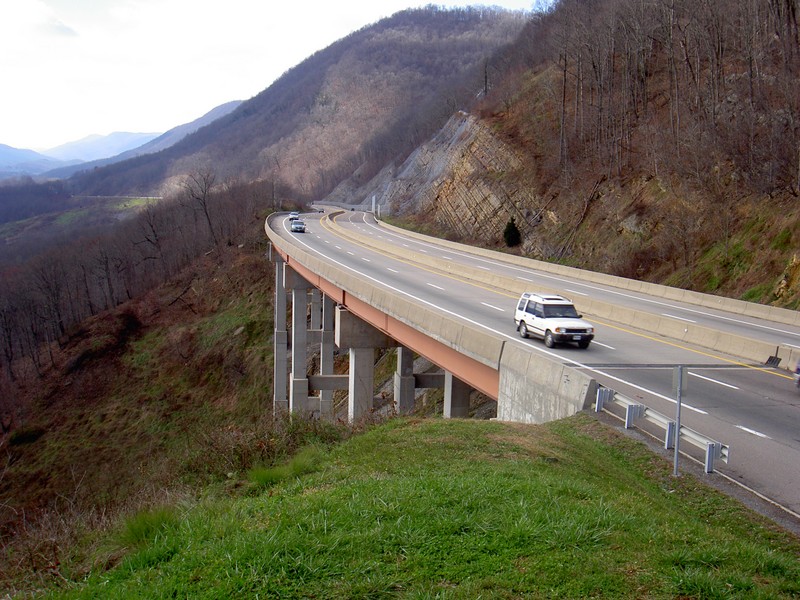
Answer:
(455, 179)
(460, 178)
(468, 182)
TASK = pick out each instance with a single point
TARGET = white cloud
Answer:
(71, 68)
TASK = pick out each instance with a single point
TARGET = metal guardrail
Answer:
(713, 449)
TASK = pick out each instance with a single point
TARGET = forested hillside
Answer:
(351, 107)
(654, 139)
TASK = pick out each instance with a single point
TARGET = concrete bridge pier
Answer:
(316, 318)
(456, 397)
(315, 313)
(280, 341)
(404, 383)
(298, 378)
(361, 383)
(326, 353)
(361, 339)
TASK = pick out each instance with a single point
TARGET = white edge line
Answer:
(494, 307)
(727, 385)
(753, 432)
(678, 318)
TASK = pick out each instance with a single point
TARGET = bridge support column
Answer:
(361, 339)
(298, 380)
(404, 381)
(361, 383)
(326, 355)
(316, 309)
(456, 397)
(280, 339)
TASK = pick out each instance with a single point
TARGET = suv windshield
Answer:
(560, 310)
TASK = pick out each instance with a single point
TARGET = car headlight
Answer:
(590, 330)
(559, 330)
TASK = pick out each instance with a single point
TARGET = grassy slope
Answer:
(166, 393)
(461, 509)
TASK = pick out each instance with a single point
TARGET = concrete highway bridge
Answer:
(355, 285)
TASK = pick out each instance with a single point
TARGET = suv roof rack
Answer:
(546, 297)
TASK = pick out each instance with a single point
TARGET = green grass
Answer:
(428, 508)
(759, 293)
(304, 462)
(144, 527)
(127, 204)
(782, 241)
(72, 217)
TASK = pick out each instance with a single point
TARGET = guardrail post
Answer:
(669, 438)
(713, 450)
(604, 396)
(632, 411)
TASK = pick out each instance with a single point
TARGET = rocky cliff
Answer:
(463, 182)
(468, 182)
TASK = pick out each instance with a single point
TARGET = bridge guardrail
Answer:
(736, 306)
(713, 449)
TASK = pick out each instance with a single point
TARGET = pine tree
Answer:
(512, 235)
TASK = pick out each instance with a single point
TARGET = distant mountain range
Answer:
(17, 162)
(96, 150)
(94, 147)
(366, 100)
(162, 142)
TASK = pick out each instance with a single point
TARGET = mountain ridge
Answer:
(157, 144)
(19, 162)
(96, 146)
(349, 107)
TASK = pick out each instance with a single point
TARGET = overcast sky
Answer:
(71, 68)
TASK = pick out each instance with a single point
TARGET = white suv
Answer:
(553, 318)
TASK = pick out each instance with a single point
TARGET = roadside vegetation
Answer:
(420, 508)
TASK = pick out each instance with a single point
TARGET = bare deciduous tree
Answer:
(197, 188)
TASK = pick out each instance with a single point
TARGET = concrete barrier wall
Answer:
(532, 388)
(741, 307)
(712, 339)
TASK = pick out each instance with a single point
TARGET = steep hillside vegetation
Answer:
(351, 107)
(652, 140)
(152, 403)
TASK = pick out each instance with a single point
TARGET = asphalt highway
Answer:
(752, 408)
